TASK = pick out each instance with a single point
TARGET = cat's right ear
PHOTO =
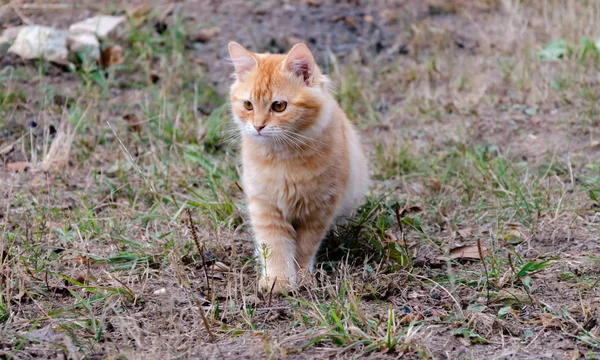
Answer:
(242, 59)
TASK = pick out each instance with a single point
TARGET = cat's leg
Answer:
(275, 245)
(310, 235)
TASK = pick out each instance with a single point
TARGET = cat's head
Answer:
(278, 97)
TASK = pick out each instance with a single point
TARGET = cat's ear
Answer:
(242, 59)
(300, 62)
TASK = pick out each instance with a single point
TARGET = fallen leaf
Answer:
(407, 209)
(205, 35)
(133, 123)
(549, 320)
(5, 150)
(409, 318)
(20, 166)
(197, 61)
(434, 184)
(313, 3)
(219, 266)
(469, 252)
(350, 22)
(139, 13)
(111, 56)
(46, 334)
(465, 233)
(389, 16)
(368, 18)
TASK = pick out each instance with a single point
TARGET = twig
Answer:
(271, 292)
(239, 187)
(510, 263)
(200, 250)
(487, 278)
(402, 240)
(204, 319)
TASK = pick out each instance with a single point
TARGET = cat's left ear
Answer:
(243, 60)
(300, 62)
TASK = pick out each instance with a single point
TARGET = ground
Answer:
(123, 231)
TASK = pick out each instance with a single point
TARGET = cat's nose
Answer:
(259, 128)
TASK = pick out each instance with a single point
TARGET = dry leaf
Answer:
(138, 14)
(388, 16)
(407, 209)
(111, 56)
(6, 149)
(465, 253)
(133, 123)
(20, 166)
(465, 233)
(313, 3)
(197, 61)
(409, 318)
(219, 266)
(548, 320)
(139, 11)
(368, 18)
(45, 334)
(205, 35)
(351, 22)
(434, 184)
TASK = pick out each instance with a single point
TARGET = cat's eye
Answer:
(248, 105)
(278, 106)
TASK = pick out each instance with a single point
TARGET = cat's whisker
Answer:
(291, 136)
(302, 135)
(292, 144)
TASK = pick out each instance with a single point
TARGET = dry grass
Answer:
(475, 139)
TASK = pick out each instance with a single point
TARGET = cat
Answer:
(303, 165)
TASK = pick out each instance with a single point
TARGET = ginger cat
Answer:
(303, 164)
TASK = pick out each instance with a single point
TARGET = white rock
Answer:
(11, 33)
(161, 291)
(8, 37)
(85, 43)
(35, 42)
(101, 25)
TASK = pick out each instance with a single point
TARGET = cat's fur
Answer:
(304, 169)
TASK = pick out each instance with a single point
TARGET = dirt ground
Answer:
(123, 231)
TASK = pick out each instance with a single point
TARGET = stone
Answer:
(84, 43)
(102, 25)
(8, 37)
(205, 35)
(11, 33)
(35, 42)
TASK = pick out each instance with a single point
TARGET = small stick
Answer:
(204, 319)
(402, 241)
(271, 292)
(239, 187)
(510, 263)
(200, 251)
(487, 278)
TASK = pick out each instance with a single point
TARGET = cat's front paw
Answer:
(279, 285)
